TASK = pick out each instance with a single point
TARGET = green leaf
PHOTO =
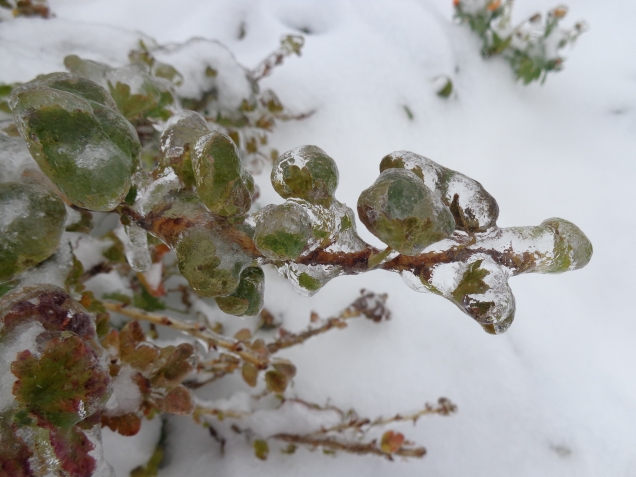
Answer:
(64, 385)
(261, 449)
(472, 282)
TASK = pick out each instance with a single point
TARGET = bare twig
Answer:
(334, 444)
(369, 304)
(197, 330)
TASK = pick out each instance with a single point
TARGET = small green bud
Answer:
(405, 214)
(223, 185)
(307, 173)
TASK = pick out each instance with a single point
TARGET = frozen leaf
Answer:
(86, 148)
(307, 173)
(31, 225)
(247, 299)
(222, 183)
(282, 231)
(211, 264)
(64, 384)
(182, 132)
(402, 212)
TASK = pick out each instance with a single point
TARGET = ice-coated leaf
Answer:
(86, 148)
(282, 231)
(473, 208)
(31, 225)
(223, 185)
(182, 132)
(64, 384)
(307, 173)
(404, 213)
(211, 264)
(247, 299)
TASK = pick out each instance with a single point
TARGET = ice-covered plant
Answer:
(532, 47)
(190, 231)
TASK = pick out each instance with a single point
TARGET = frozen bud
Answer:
(182, 131)
(405, 214)
(572, 249)
(307, 173)
(31, 224)
(209, 261)
(282, 231)
(473, 208)
(247, 299)
(223, 185)
(84, 146)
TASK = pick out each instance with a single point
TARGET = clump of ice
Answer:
(135, 242)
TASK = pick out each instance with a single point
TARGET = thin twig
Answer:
(213, 339)
(351, 447)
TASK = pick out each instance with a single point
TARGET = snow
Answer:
(555, 395)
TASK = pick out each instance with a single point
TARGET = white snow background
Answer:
(556, 394)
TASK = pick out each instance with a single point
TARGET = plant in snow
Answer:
(24, 8)
(117, 141)
(531, 48)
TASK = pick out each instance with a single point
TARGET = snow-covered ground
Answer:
(556, 394)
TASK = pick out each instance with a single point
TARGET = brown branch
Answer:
(369, 305)
(363, 448)
(213, 339)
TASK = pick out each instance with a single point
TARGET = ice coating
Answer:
(135, 241)
(61, 382)
(134, 89)
(282, 231)
(86, 148)
(222, 183)
(180, 135)
(307, 280)
(247, 299)
(307, 173)
(404, 213)
(211, 263)
(477, 279)
(473, 208)
(31, 225)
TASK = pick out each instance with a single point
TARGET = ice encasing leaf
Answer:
(84, 146)
(31, 225)
(473, 208)
(247, 299)
(223, 185)
(307, 173)
(404, 213)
